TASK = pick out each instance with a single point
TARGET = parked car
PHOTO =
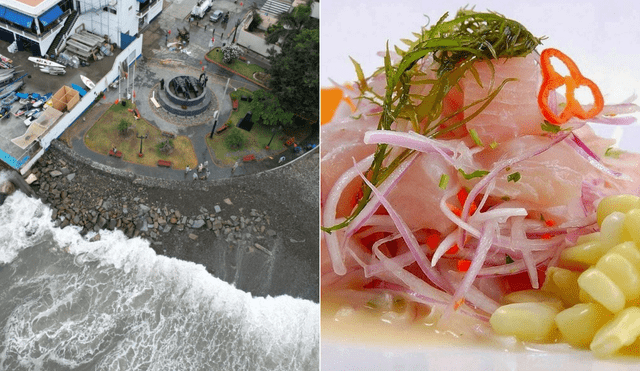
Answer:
(216, 16)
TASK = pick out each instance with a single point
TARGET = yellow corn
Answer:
(579, 324)
(622, 273)
(602, 289)
(621, 331)
(564, 284)
(620, 203)
(526, 321)
(632, 225)
(534, 296)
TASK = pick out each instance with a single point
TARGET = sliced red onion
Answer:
(444, 246)
(614, 120)
(489, 230)
(625, 107)
(408, 237)
(500, 215)
(583, 150)
(518, 237)
(412, 282)
(386, 187)
(410, 140)
(518, 265)
(474, 295)
(329, 213)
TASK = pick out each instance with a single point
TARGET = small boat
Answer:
(53, 70)
(5, 84)
(88, 83)
(40, 62)
(11, 89)
(8, 99)
(6, 76)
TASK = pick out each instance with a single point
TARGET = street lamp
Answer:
(273, 130)
(141, 138)
(215, 122)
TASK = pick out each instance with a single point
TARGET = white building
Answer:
(42, 26)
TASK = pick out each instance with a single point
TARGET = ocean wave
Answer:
(114, 304)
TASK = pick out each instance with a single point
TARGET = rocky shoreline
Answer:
(240, 231)
(74, 205)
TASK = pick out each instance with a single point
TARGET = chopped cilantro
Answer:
(513, 177)
(444, 180)
(475, 137)
(612, 152)
(493, 144)
(475, 174)
(549, 127)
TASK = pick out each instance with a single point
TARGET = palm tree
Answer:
(291, 23)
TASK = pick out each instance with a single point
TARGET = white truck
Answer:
(201, 8)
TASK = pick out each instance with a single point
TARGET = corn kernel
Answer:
(630, 251)
(621, 331)
(595, 236)
(602, 289)
(622, 273)
(563, 283)
(534, 296)
(620, 203)
(632, 225)
(580, 323)
(526, 321)
(588, 253)
(612, 228)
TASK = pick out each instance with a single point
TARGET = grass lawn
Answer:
(257, 138)
(243, 68)
(104, 135)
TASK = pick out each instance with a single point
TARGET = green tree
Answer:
(123, 126)
(266, 108)
(235, 139)
(291, 24)
(295, 75)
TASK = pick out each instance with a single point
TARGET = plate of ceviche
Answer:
(467, 200)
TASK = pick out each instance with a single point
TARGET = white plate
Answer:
(601, 37)
(338, 356)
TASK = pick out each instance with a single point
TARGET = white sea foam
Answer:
(114, 304)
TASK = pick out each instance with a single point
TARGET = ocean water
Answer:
(70, 304)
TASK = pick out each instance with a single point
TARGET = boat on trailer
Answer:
(41, 62)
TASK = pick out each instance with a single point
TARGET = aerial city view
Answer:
(159, 169)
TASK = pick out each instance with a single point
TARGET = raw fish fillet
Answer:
(514, 112)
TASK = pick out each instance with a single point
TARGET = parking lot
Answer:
(36, 81)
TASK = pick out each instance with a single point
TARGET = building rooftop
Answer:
(33, 3)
